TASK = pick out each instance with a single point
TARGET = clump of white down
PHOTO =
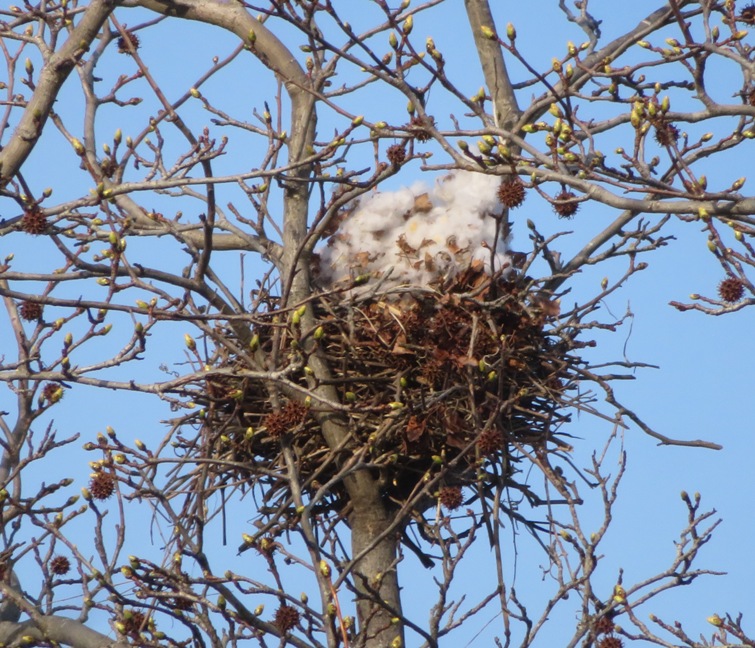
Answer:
(419, 236)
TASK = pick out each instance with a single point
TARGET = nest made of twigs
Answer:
(428, 381)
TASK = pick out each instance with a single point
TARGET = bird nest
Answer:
(443, 386)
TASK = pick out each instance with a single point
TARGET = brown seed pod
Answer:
(610, 642)
(666, 134)
(102, 485)
(450, 497)
(748, 14)
(490, 442)
(604, 625)
(34, 222)
(731, 289)
(30, 311)
(286, 617)
(396, 154)
(291, 415)
(511, 192)
(133, 622)
(52, 392)
(420, 127)
(123, 44)
(566, 205)
(60, 565)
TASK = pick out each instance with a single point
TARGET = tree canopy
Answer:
(342, 256)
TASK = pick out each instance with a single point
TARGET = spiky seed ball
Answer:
(396, 154)
(34, 222)
(60, 565)
(748, 14)
(450, 497)
(30, 311)
(666, 134)
(604, 625)
(52, 392)
(490, 442)
(107, 166)
(511, 192)
(610, 642)
(134, 622)
(102, 485)
(286, 617)
(291, 415)
(420, 127)
(123, 44)
(181, 603)
(565, 204)
(731, 289)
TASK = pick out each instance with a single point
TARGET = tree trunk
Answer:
(376, 574)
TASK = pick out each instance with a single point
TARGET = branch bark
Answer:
(56, 629)
(51, 79)
(506, 110)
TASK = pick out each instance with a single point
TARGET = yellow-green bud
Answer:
(487, 32)
(190, 343)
